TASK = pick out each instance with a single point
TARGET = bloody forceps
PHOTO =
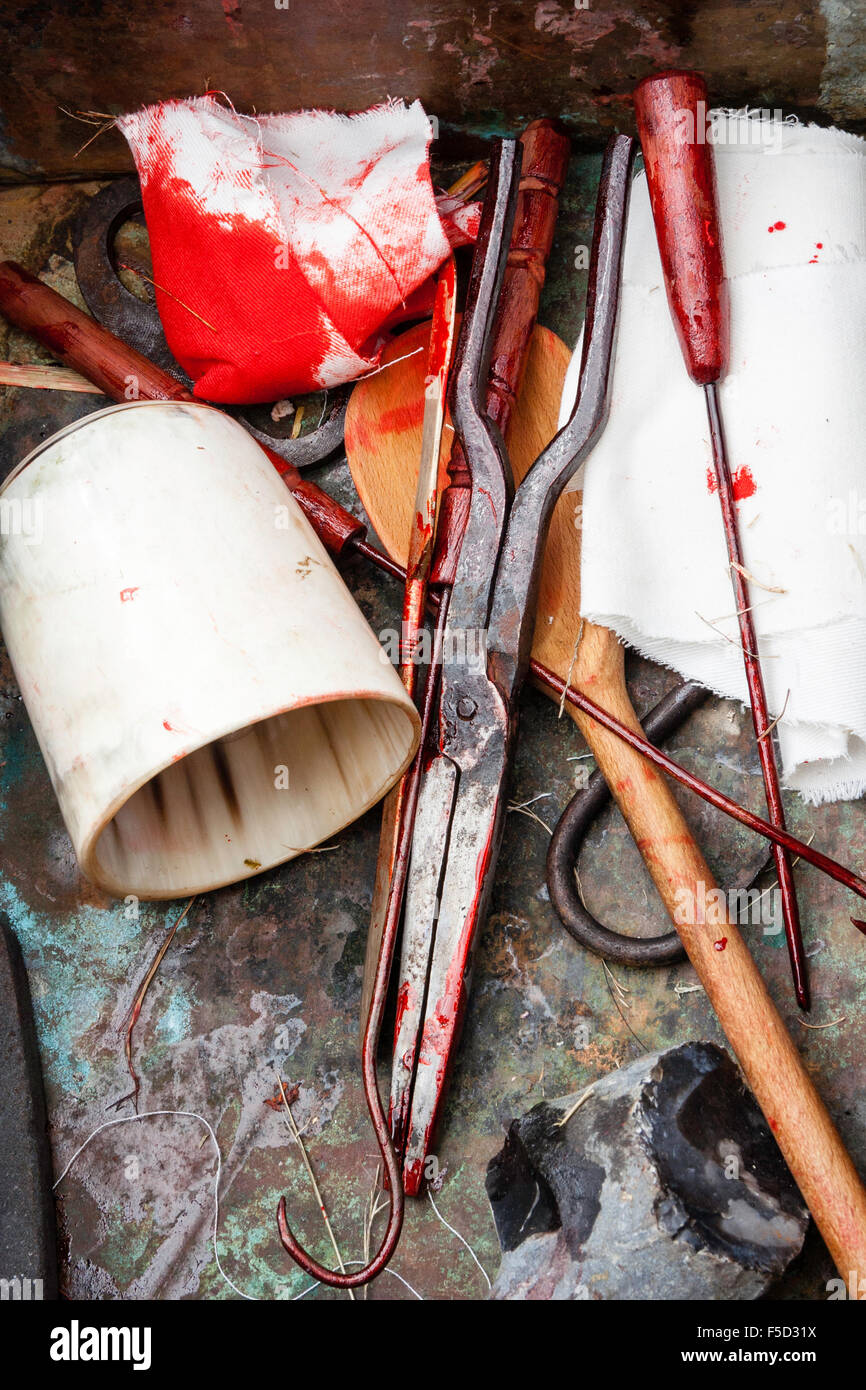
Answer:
(488, 638)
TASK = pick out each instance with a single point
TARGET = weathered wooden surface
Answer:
(269, 973)
(480, 69)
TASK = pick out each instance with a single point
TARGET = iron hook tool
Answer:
(461, 804)
(485, 284)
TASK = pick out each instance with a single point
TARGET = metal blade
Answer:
(28, 1250)
(429, 850)
(479, 762)
(478, 709)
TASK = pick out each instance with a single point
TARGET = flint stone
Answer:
(666, 1183)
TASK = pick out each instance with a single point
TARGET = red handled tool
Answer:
(671, 120)
(124, 374)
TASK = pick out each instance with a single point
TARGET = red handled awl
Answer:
(671, 121)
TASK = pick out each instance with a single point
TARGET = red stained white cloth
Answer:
(792, 205)
(282, 244)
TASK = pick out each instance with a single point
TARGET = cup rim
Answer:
(86, 420)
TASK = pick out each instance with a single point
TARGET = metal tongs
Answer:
(453, 804)
(487, 647)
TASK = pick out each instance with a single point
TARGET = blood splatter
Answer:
(440, 328)
(403, 999)
(721, 943)
(744, 484)
(777, 227)
(292, 309)
(819, 246)
(126, 594)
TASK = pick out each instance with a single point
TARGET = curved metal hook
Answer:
(379, 1121)
(104, 293)
(308, 449)
(571, 829)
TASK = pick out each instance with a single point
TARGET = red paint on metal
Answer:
(485, 493)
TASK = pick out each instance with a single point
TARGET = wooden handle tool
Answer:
(671, 117)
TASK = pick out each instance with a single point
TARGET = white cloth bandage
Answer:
(792, 203)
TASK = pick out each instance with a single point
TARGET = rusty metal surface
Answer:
(480, 69)
(268, 974)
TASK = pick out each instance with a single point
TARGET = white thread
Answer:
(462, 1239)
(385, 365)
(386, 1270)
(187, 1114)
(194, 1115)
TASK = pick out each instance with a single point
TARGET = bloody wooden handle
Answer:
(545, 160)
(671, 121)
(770, 1061)
(80, 342)
(125, 375)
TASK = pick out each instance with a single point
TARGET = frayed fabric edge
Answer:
(794, 135)
(845, 789)
(851, 789)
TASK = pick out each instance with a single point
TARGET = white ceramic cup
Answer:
(208, 697)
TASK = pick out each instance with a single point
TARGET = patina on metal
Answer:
(240, 994)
